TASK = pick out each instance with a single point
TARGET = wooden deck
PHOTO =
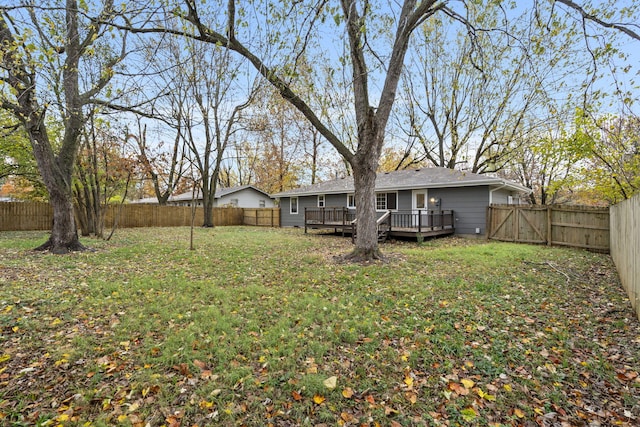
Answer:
(408, 224)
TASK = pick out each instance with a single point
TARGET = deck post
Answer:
(305, 220)
(419, 221)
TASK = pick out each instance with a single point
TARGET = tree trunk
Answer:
(364, 174)
(208, 214)
(64, 235)
(365, 165)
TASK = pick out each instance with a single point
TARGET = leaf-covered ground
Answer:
(262, 327)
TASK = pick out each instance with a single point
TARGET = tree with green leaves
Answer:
(611, 146)
(47, 69)
(16, 158)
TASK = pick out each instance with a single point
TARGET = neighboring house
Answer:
(411, 196)
(244, 196)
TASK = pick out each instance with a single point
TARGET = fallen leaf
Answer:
(347, 393)
(411, 397)
(347, 417)
(518, 413)
(486, 396)
(467, 383)
(296, 396)
(330, 382)
(408, 380)
(318, 399)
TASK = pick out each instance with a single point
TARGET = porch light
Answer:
(435, 201)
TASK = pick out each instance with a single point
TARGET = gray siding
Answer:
(404, 200)
(468, 203)
(335, 200)
(296, 220)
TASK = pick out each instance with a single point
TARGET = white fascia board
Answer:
(489, 182)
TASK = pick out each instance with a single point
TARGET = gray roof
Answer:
(430, 177)
(188, 196)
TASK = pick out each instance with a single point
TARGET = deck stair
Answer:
(383, 227)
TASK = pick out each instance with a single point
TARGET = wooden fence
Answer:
(16, 216)
(261, 217)
(625, 247)
(575, 226)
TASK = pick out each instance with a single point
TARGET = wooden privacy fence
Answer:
(261, 217)
(625, 247)
(16, 216)
(575, 226)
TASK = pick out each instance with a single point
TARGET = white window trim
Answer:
(322, 198)
(349, 197)
(291, 212)
(385, 201)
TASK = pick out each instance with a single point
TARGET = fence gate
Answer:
(515, 224)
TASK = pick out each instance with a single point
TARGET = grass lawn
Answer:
(263, 327)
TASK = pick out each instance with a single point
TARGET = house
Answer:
(244, 196)
(426, 201)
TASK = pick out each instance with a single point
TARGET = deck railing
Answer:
(422, 220)
(416, 220)
(328, 216)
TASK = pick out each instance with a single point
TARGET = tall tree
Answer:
(48, 47)
(102, 176)
(366, 42)
(471, 101)
(279, 142)
(212, 114)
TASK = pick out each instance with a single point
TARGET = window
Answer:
(386, 201)
(293, 206)
(351, 201)
(234, 203)
(321, 200)
(261, 203)
(392, 201)
(420, 201)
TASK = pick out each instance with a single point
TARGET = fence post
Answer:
(489, 222)
(516, 225)
(549, 225)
